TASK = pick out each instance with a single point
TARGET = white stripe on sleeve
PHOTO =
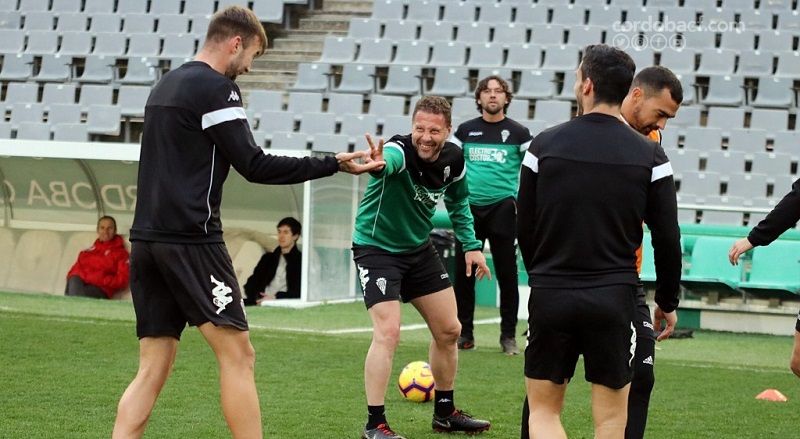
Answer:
(524, 147)
(217, 117)
(661, 171)
(531, 161)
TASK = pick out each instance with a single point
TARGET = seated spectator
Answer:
(102, 269)
(277, 274)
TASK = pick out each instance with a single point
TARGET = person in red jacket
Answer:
(102, 269)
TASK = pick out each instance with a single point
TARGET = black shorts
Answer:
(643, 320)
(595, 322)
(176, 284)
(388, 276)
(797, 325)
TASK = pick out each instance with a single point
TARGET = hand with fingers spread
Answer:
(670, 317)
(475, 257)
(739, 247)
(359, 162)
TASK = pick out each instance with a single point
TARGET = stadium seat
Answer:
(679, 61)
(684, 160)
(548, 35)
(21, 93)
(412, 52)
(775, 5)
(747, 140)
(716, 62)
(604, 15)
(564, 59)
(531, 14)
(536, 84)
(689, 88)
(30, 112)
(66, 6)
(495, 13)
(722, 117)
(382, 106)
(16, 67)
(709, 269)
(338, 50)
(178, 46)
(132, 7)
(110, 23)
(344, 104)
(102, 6)
(109, 43)
(199, 24)
(775, 272)
(55, 93)
(331, 142)
(722, 217)
(774, 92)
(293, 141)
(172, 23)
(510, 34)
(450, 81)
(552, 111)
(643, 57)
(34, 5)
(771, 164)
(132, 99)
(460, 12)
(754, 63)
(63, 113)
(776, 41)
(317, 123)
(466, 33)
(789, 21)
(39, 21)
(312, 77)
(377, 51)
(785, 142)
(752, 19)
(357, 125)
(443, 31)
(403, 80)
(134, 23)
(702, 138)
(583, 36)
(769, 120)
(364, 28)
(10, 20)
(396, 30)
(569, 15)
(304, 102)
(33, 131)
(724, 162)
(5, 130)
(35, 262)
(748, 186)
(387, 9)
(449, 53)
(274, 121)
(54, 68)
(524, 56)
(702, 184)
(463, 108)
(104, 120)
(738, 39)
(144, 45)
(396, 124)
(519, 109)
(788, 64)
(356, 78)
(162, 7)
(42, 42)
(264, 100)
(97, 69)
(485, 55)
(724, 90)
(75, 43)
(139, 71)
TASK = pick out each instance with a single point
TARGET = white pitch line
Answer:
(365, 329)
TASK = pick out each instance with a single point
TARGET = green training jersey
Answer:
(399, 202)
(493, 152)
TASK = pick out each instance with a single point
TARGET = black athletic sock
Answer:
(376, 416)
(444, 403)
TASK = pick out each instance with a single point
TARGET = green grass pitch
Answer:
(66, 361)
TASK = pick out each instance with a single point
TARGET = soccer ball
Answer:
(416, 382)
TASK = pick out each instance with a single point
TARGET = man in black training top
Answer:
(396, 260)
(782, 218)
(586, 187)
(277, 274)
(195, 129)
(493, 148)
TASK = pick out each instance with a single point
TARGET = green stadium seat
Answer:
(775, 273)
(710, 271)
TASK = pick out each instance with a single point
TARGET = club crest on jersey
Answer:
(446, 172)
(233, 97)
(221, 294)
(504, 135)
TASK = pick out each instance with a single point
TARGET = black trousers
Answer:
(497, 223)
(77, 287)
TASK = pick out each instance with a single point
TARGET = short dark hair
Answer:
(292, 224)
(233, 21)
(483, 84)
(107, 217)
(434, 105)
(611, 71)
(652, 80)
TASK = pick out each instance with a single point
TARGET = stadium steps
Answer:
(277, 69)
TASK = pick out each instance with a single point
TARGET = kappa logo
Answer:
(381, 283)
(444, 276)
(475, 133)
(648, 360)
(233, 97)
(633, 344)
(363, 276)
(504, 135)
(221, 294)
(648, 325)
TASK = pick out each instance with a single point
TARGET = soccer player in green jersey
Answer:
(493, 146)
(396, 260)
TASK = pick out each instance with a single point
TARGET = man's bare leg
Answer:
(610, 411)
(545, 401)
(440, 313)
(385, 337)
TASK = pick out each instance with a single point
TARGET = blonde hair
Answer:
(233, 21)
